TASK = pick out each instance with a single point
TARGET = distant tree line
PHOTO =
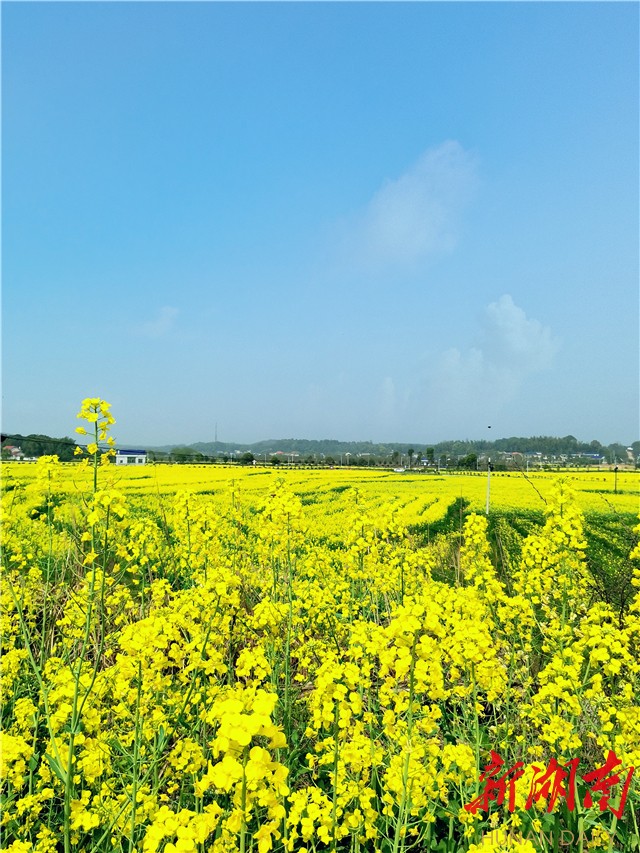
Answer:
(459, 454)
(40, 445)
(317, 449)
(450, 454)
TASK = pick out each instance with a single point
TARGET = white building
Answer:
(13, 452)
(131, 457)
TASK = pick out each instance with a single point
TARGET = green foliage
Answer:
(610, 540)
(42, 445)
(185, 454)
(469, 462)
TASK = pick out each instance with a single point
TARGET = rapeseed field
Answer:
(204, 658)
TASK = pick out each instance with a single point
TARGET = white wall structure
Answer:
(131, 457)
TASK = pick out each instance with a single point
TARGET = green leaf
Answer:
(54, 764)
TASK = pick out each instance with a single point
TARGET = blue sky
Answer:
(385, 221)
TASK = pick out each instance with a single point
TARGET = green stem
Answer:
(136, 750)
(612, 831)
(243, 829)
(95, 458)
(75, 714)
(26, 639)
(334, 805)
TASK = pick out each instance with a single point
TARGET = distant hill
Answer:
(545, 445)
(303, 446)
(327, 449)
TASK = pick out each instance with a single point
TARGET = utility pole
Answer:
(488, 482)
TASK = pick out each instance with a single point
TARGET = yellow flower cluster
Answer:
(296, 663)
(96, 412)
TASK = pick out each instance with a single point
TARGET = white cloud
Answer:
(416, 215)
(511, 347)
(159, 325)
(514, 342)
(455, 393)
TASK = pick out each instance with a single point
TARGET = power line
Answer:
(47, 439)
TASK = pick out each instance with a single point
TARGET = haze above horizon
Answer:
(376, 221)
